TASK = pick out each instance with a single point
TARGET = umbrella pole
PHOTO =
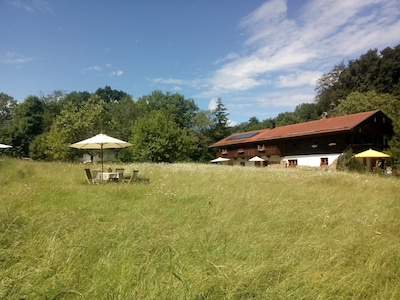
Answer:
(102, 158)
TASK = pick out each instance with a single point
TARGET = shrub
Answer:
(347, 162)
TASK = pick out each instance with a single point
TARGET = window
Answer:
(292, 162)
(324, 161)
(385, 139)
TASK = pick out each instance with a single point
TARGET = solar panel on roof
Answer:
(244, 135)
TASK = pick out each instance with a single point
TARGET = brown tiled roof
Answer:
(327, 125)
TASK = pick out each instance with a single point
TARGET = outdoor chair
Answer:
(133, 177)
(89, 177)
(121, 173)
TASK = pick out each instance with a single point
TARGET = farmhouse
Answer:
(313, 143)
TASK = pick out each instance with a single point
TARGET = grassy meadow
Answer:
(194, 231)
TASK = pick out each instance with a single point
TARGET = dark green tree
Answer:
(52, 106)
(372, 71)
(388, 80)
(109, 95)
(26, 124)
(202, 130)
(286, 118)
(219, 117)
(252, 124)
(360, 74)
(74, 98)
(307, 112)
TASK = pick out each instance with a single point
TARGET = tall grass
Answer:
(192, 231)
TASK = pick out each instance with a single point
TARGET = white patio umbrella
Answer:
(101, 141)
(256, 158)
(219, 159)
(3, 146)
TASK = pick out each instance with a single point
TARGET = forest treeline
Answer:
(167, 127)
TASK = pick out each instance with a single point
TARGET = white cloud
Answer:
(322, 36)
(15, 59)
(91, 69)
(228, 57)
(284, 54)
(117, 73)
(31, 6)
(21, 5)
(212, 104)
(299, 78)
(172, 81)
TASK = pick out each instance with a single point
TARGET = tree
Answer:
(360, 75)
(74, 98)
(120, 117)
(7, 109)
(286, 118)
(157, 138)
(202, 129)
(220, 121)
(388, 80)
(26, 124)
(372, 71)
(328, 89)
(75, 123)
(52, 105)
(181, 110)
(109, 95)
(307, 112)
(252, 124)
(359, 102)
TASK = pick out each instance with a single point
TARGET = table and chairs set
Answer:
(117, 176)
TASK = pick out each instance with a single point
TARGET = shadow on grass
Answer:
(142, 180)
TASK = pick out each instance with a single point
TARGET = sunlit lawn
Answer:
(194, 231)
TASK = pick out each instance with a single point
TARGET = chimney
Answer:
(324, 115)
(271, 125)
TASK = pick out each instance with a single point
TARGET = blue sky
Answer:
(260, 57)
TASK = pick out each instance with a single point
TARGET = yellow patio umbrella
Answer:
(371, 154)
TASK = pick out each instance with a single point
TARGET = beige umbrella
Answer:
(256, 158)
(371, 154)
(219, 159)
(3, 146)
(101, 141)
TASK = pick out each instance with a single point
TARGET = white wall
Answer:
(302, 160)
(312, 160)
(109, 155)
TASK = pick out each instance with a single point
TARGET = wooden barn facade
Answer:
(313, 143)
